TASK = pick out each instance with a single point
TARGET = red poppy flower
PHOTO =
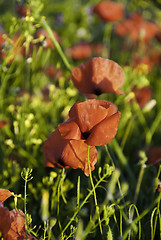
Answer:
(4, 194)
(47, 43)
(151, 60)
(60, 152)
(142, 95)
(80, 51)
(12, 223)
(5, 220)
(85, 50)
(109, 11)
(137, 28)
(92, 122)
(154, 156)
(97, 76)
(17, 228)
(3, 123)
(52, 72)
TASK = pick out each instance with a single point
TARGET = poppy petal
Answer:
(52, 149)
(4, 194)
(70, 130)
(105, 131)
(5, 220)
(98, 75)
(75, 155)
(89, 113)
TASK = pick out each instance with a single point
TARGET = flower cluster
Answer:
(92, 122)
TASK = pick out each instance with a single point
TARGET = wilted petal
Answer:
(4, 194)
(105, 131)
(5, 220)
(70, 130)
(89, 113)
(75, 155)
(17, 229)
(98, 75)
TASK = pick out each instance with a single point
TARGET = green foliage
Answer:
(120, 198)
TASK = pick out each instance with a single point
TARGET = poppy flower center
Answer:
(85, 135)
(97, 91)
(61, 162)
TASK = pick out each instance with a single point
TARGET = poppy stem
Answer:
(56, 44)
(94, 192)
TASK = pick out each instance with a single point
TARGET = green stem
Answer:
(137, 190)
(118, 182)
(56, 44)
(25, 202)
(122, 158)
(94, 192)
(85, 200)
(158, 206)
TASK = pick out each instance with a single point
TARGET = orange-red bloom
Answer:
(12, 223)
(3, 123)
(47, 43)
(4, 194)
(137, 28)
(109, 11)
(142, 95)
(92, 122)
(154, 156)
(97, 76)
(151, 60)
(80, 51)
(5, 220)
(85, 50)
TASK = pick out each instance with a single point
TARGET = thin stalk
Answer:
(94, 192)
(58, 209)
(56, 44)
(85, 200)
(118, 182)
(122, 158)
(158, 206)
(25, 202)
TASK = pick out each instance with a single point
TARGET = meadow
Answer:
(80, 115)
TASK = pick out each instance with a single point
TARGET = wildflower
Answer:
(60, 152)
(3, 123)
(85, 50)
(137, 28)
(47, 43)
(109, 11)
(93, 122)
(150, 61)
(97, 76)
(52, 72)
(154, 155)
(142, 95)
(4, 194)
(80, 51)
(12, 223)
(5, 221)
